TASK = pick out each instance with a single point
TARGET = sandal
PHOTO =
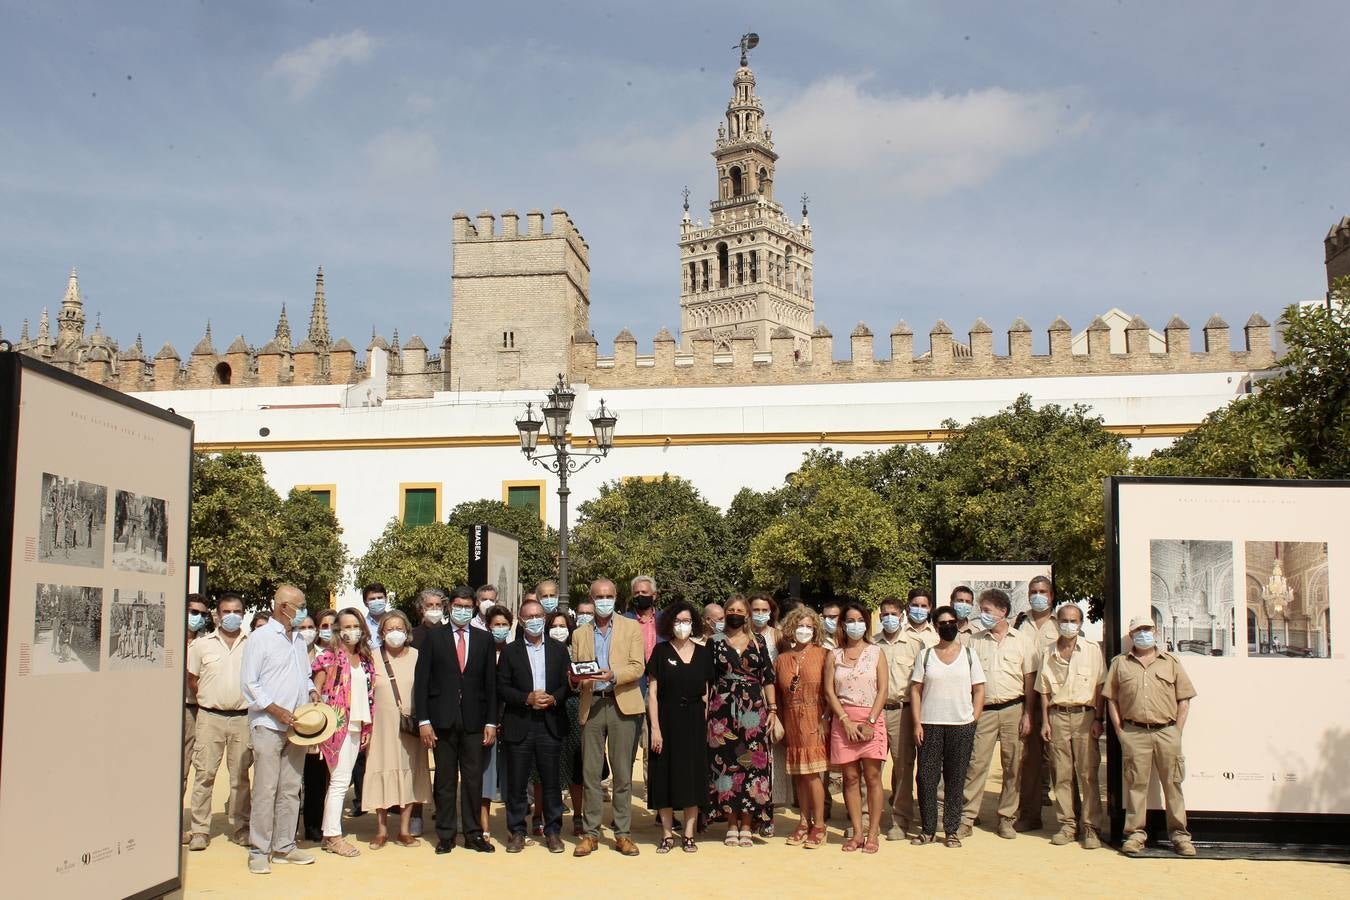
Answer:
(733, 838)
(667, 843)
(340, 847)
(851, 845)
(407, 840)
(816, 838)
(798, 836)
(747, 838)
(952, 841)
(378, 841)
(688, 845)
(919, 839)
(870, 847)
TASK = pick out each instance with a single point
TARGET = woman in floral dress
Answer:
(741, 712)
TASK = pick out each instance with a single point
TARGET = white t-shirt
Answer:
(359, 711)
(946, 687)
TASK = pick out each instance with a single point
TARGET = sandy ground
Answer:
(986, 866)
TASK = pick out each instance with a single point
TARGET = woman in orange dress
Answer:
(800, 674)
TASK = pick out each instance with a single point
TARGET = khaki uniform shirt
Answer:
(217, 667)
(1005, 663)
(1148, 692)
(925, 632)
(1072, 682)
(965, 633)
(900, 651)
(1038, 639)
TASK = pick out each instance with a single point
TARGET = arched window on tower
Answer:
(787, 268)
(723, 265)
(223, 373)
(754, 265)
(737, 181)
(763, 185)
(740, 268)
(693, 276)
(705, 275)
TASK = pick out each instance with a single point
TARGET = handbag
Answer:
(406, 724)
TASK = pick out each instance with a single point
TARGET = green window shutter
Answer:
(526, 497)
(419, 506)
(324, 497)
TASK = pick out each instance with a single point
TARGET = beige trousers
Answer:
(1035, 762)
(999, 726)
(1144, 752)
(1076, 756)
(900, 732)
(221, 737)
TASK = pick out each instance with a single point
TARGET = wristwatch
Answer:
(871, 720)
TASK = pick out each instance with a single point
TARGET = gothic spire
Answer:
(70, 319)
(23, 335)
(318, 315)
(283, 332)
(45, 328)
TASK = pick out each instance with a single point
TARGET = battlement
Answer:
(484, 228)
(1338, 251)
(945, 358)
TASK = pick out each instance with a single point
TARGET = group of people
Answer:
(741, 707)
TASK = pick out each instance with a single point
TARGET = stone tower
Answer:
(749, 271)
(70, 319)
(517, 300)
(1338, 251)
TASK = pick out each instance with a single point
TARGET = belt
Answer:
(1076, 708)
(1149, 726)
(597, 695)
(225, 712)
(898, 704)
(1004, 704)
(190, 705)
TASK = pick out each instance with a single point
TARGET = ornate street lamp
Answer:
(560, 459)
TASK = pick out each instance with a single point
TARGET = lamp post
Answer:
(562, 461)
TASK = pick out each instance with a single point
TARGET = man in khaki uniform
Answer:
(1039, 632)
(1006, 719)
(1149, 696)
(197, 617)
(900, 648)
(1070, 687)
(963, 604)
(917, 613)
(214, 664)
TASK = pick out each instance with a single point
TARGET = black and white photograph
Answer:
(1191, 594)
(979, 575)
(74, 521)
(140, 534)
(1288, 605)
(67, 628)
(136, 630)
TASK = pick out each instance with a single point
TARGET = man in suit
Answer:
(455, 701)
(532, 683)
(611, 713)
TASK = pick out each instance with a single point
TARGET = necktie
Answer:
(460, 650)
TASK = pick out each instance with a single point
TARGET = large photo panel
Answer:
(978, 575)
(93, 629)
(1237, 577)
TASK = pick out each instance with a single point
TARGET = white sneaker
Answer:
(295, 857)
(258, 864)
(415, 826)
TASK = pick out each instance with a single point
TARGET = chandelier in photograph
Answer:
(1276, 592)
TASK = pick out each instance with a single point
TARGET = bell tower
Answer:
(749, 270)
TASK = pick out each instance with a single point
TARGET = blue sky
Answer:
(199, 160)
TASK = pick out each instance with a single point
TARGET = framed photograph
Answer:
(94, 510)
(978, 575)
(585, 669)
(1238, 577)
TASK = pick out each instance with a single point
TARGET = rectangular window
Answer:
(420, 504)
(524, 494)
(508, 340)
(326, 493)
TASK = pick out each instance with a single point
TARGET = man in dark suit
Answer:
(532, 684)
(455, 701)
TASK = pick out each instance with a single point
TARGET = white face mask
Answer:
(308, 635)
(395, 639)
(1068, 629)
(683, 629)
(558, 633)
(485, 605)
(434, 616)
(351, 636)
(804, 634)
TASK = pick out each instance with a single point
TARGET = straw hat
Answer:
(312, 724)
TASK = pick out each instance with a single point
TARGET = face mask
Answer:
(760, 619)
(485, 605)
(831, 624)
(299, 618)
(550, 604)
(890, 623)
(604, 607)
(963, 610)
(1040, 602)
(641, 602)
(720, 626)
(855, 630)
(1143, 639)
(683, 629)
(584, 619)
(395, 639)
(196, 621)
(988, 620)
(499, 633)
(918, 615)
(734, 621)
(351, 636)
(461, 615)
(1068, 629)
(325, 634)
(558, 633)
(307, 635)
(804, 634)
(377, 606)
(232, 622)
(534, 627)
(947, 630)
(434, 616)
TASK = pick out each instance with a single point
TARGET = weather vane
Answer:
(686, 198)
(805, 199)
(749, 41)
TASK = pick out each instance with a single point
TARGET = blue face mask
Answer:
(604, 607)
(299, 618)
(325, 634)
(377, 606)
(550, 604)
(890, 623)
(499, 633)
(534, 627)
(760, 619)
(918, 615)
(831, 624)
(855, 630)
(963, 610)
(584, 619)
(196, 621)
(231, 622)
(460, 615)
(988, 620)
(1143, 639)
(1040, 602)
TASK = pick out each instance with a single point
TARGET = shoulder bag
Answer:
(406, 724)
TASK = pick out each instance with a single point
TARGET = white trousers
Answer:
(339, 780)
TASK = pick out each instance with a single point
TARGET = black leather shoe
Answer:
(481, 844)
(314, 834)
(445, 845)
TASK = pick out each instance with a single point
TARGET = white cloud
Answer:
(305, 67)
(401, 155)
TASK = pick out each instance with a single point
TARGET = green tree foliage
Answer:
(409, 558)
(662, 528)
(538, 545)
(1296, 424)
(250, 541)
(750, 513)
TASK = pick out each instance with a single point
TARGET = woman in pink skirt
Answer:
(855, 686)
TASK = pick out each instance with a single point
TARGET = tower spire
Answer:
(283, 332)
(70, 318)
(318, 315)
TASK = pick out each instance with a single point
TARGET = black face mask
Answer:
(735, 620)
(641, 602)
(947, 630)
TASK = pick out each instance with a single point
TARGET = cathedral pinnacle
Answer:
(283, 332)
(70, 319)
(318, 315)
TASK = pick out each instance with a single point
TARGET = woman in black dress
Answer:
(679, 674)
